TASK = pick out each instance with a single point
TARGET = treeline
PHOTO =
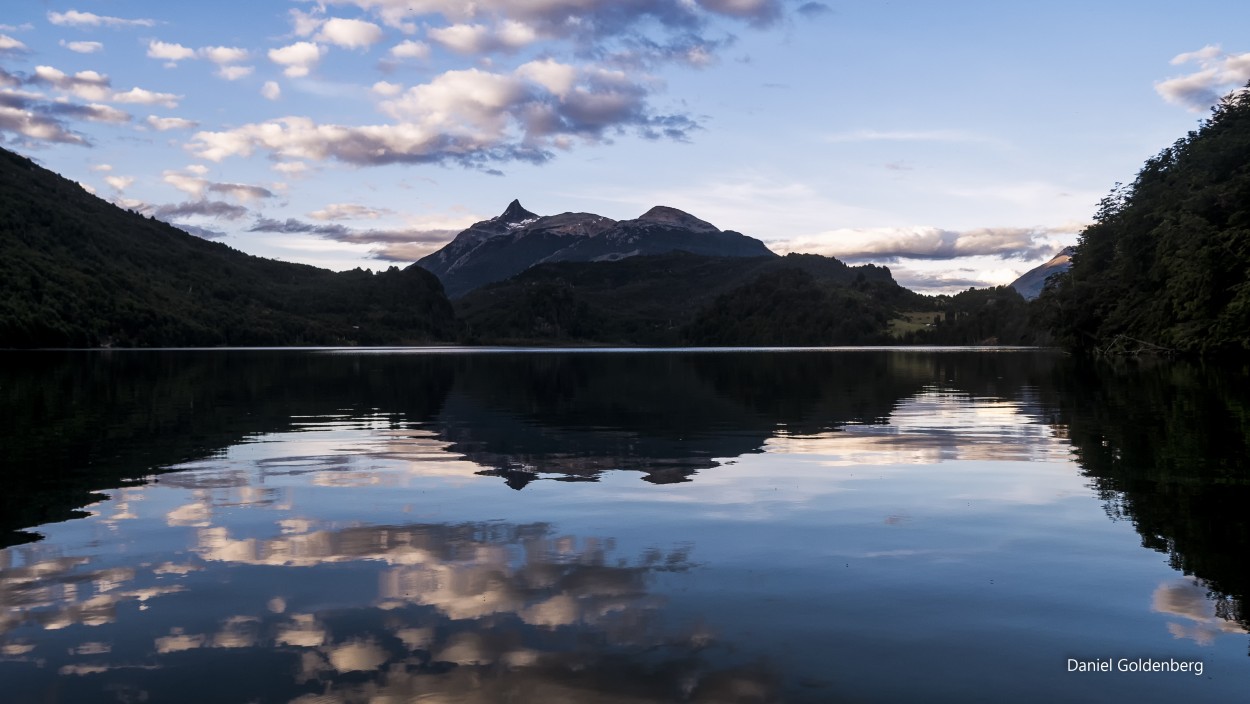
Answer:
(1166, 265)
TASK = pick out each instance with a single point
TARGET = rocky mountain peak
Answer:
(515, 212)
(664, 215)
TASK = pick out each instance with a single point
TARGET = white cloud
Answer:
(96, 112)
(36, 126)
(234, 73)
(298, 58)
(271, 90)
(304, 24)
(350, 34)
(163, 124)
(119, 183)
(224, 54)
(290, 168)
(1219, 74)
(169, 52)
(932, 243)
(9, 45)
(141, 96)
(101, 168)
(74, 18)
(479, 39)
(197, 169)
(347, 211)
(470, 117)
(88, 85)
(385, 88)
(409, 49)
(83, 47)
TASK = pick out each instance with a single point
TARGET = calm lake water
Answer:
(507, 526)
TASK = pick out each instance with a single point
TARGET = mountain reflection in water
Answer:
(341, 527)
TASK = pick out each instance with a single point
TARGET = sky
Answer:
(958, 143)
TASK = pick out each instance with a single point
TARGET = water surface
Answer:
(733, 526)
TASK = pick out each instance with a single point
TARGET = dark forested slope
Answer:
(76, 271)
(1167, 261)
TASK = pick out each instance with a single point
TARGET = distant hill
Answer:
(1031, 282)
(1166, 263)
(77, 271)
(683, 298)
(508, 244)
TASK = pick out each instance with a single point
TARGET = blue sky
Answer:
(958, 143)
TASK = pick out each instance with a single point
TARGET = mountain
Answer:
(77, 271)
(1031, 282)
(515, 240)
(1166, 264)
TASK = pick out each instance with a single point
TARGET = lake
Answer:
(384, 526)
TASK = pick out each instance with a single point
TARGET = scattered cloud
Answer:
(197, 187)
(291, 168)
(39, 127)
(938, 282)
(298, 58)
(224, 54)
(119, 183)
(387, 89)
(240, 191)
(234, 73)
(172, 53)
(350, 34)
(409, 49)
(348, 211)
(141, 96)
(201, 232)
(271, 90)
(35, 117)
(101, 168)
(812, 10)
(10, 46)
(469, 117)
(88, 85)
(509, 36)
(83, 47)
(74, 18)
(929, 243)
(203, 208)
(1219, 73)
(164, 124)
(394, 245)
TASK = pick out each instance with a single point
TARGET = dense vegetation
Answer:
(1166, 264)
(682, 298)
(76, 271)
(980, 316)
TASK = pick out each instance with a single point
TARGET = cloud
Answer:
(169, 52)
(101, 168)
(759, 12)
(74, 18)
(141, 96)
(205, 208)
(931, 243)
(88, 85)
(304, 24)
(198, 187)
(36, 126)
(119, 183)
(290, 168)
(93, 112)
(409, 49)
(508, 37)
(812, 10)
(387, 89)
(938, 282)
(468, 117)
(11, 46)
(241, 191)
(83, 47)
(164, 124)
(224, 54)
(298, 58)
(271, 90)
(396, 245)
(350, 34)
(348, 211)
(234, 73)
(201, 232)
(1219, 74)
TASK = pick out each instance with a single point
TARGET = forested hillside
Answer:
(1166, 264)
(76, 271)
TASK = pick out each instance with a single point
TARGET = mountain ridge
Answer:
(510, 243)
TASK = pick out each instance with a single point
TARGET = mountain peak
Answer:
(665, 215)
(515, 212)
